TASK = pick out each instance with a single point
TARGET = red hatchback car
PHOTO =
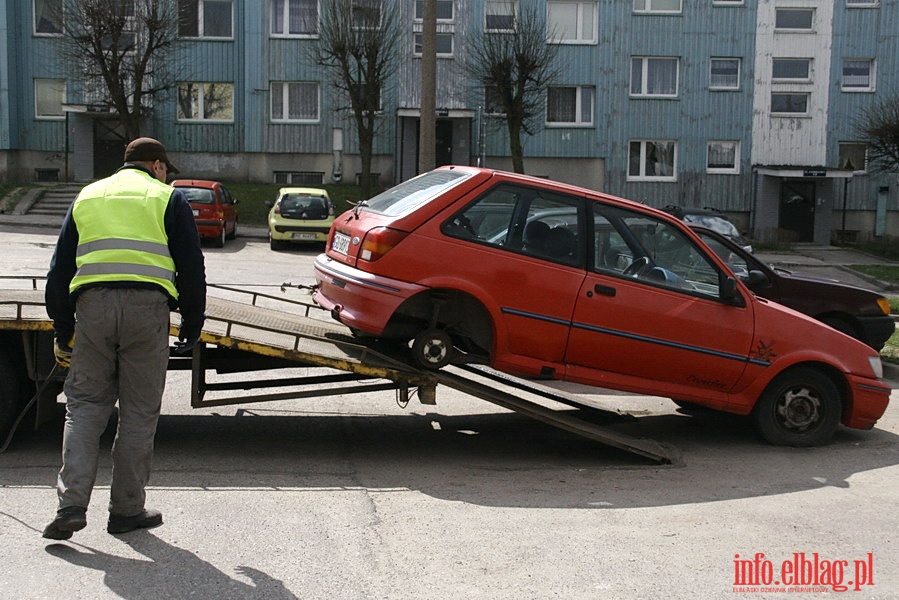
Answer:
(215, 209)
(543, 279)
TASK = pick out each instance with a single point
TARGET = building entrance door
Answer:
(797, 209)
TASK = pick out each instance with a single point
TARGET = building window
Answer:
(791, 69)
(366, 14)
(205, 18)
(500, 15)
(569, 105)
(49, 95)
(853, 156)
(652, 160)
(294, 17)
(444, 10)
(654, 76)
(789, 103)
(724, 74)
(444, 44)
(794, 19)
(858, 75)
(727, 2)
(47, 17)
(723, 157)
(206, 102)
(657, 6)
(571, 22)
(295, 101)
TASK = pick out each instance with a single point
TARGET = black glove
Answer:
(189, 333)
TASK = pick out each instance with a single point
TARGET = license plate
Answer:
(196, 212)
(304, 236)
(341, 243)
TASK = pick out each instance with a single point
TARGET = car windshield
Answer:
(199, 195)
(415, 192)
(715, 223)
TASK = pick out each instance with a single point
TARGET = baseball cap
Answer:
(148, 149)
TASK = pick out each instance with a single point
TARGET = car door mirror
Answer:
(730, 293)
(756, 278)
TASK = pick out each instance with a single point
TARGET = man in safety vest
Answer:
(128, 253)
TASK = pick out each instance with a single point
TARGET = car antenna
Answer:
(357, 206)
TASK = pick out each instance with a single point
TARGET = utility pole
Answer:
(427, 132)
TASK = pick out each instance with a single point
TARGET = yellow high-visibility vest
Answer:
(121, 232)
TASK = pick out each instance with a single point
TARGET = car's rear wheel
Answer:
(432, 349)
(219, 240)
(233, 234)
(799, 408)
(275, 244)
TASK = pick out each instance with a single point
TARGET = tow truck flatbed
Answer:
(247, 331)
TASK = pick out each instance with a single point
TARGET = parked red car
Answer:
(863, 314)
(543, 279)
(215, 209)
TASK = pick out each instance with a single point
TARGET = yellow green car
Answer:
(299, 215)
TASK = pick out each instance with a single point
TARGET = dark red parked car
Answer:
(215, 209)
(863, 314)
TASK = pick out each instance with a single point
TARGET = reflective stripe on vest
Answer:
(121, 231)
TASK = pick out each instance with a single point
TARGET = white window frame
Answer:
(500, 10)
(201, 102)
(282, 89)
(721, 86)
(646, 7)
(285, 20)
(419, 10)
(733, 146)
(418, 41)
(583, 94)
(862, 3)
(46, 86)
(644, 76)
(582, 22)
(872, 72)
(201, 7)
(783, 60)
(791, 113)
(642, 176)
(864, 161)
(728, 2)
(783, 10)
(52, 8)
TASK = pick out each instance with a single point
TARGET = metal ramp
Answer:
(248, 331)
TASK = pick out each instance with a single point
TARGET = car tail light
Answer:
(378, 242)
(884, 305)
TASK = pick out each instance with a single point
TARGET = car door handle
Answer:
(605, 290)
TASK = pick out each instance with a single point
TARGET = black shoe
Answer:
(143, 520)
(68, 520)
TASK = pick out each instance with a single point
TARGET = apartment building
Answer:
(747, 106)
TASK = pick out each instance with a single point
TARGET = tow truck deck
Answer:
(247, 331)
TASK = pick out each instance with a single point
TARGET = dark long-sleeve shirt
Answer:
(184, 247)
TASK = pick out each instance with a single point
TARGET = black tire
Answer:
(219, 240)
(275, 244)
(11, 391)
(432, 349)
(799, 408)
(233, 234)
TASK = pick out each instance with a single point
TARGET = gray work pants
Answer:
(120, 353)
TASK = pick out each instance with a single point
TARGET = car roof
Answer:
(200, 183)
(308, 191)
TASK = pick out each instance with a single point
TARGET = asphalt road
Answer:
(348, 497)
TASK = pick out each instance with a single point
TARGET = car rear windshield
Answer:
(313, 207)
(415, 192)
(715, 223)
(199, 195)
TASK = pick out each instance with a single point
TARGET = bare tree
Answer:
(515, 67)
(879, 127)
(358, 44)
(120, 48)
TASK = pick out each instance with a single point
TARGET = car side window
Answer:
(524, 220)
(736, 262)
(654, 251)
(226, 196)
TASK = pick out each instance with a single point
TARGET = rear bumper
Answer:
(287, 233)
(877, 330)
(358, 299)
(209, 228)
(870, 398)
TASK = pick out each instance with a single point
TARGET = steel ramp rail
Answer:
(488, 390)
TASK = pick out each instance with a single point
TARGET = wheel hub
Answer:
(799, 409)
(435, 351)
